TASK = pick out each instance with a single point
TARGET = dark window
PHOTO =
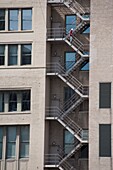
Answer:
(12, 54)
(12, 101)
(2, 54)
(25, 100)
(1, 102)
(26, 51)
(105, 95)
(13, 19)
(2, 19)
(84, 151)
(26, 19)
(24, 141)
(105, 140)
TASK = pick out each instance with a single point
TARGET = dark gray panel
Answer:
(105, 95)
(105, 140)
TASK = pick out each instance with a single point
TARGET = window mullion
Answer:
(6, 20)
(6, 55)
(6, 101)
(4, 146)
(19, 20)
(17, 147)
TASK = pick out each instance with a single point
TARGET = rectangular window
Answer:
(68, 142)
(12, 54)
(70, 59)
(26, 51)
(105, 95)
(70, 22)
(2, 54)
(11, 142)
(84, 151)
(1, 102)
(12, 101)
(13, 19)
(105, 140)
(2, 19)
(25, 100)
(1, 141)
(24, 141)
(26, 19)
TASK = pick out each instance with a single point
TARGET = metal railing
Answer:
(58, 69)
(54, 33)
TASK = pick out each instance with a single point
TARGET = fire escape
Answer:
(81, 92)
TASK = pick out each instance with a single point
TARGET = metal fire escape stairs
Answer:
(62, 115)
(76, 44)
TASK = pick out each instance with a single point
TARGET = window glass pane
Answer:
(84, 151)
(26, 54)
(2, 54)
(26, 19)
(85, 66)
(13, 53)
(105, 140)
(25, 100)
(11, 142)
(1, 102)
(11, 150)
(105, 95)
(13, 101)
(24, 141)
(68, 142)
(13, 19)
(70, 22)
(2, 19)
(70, 59)
(87, 30)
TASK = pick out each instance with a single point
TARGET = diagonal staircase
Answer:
(69, 79)
(67, 122)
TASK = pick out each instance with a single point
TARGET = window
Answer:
(84, 151)
(1, 102)
(12, 101)
(85, 66)
(25, 100)
(12, 54)
(70, 22)
(16, 19)
(105, 95)
(105, 140)
(68, 141)
(70, 59)
(26, 54)
(14, 142)
(24, 141)
(13, 98)
(11, 142)
(16, 53)
(13, 19)
(2, 54)
(87, 30)
(2, 19)
(26, 19)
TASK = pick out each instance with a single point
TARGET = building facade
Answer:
(55, 109)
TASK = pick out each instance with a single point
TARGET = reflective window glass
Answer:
(26, 19)
(12, 101)
(13, 19)
(70, 22)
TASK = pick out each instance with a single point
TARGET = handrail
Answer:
(58, 69)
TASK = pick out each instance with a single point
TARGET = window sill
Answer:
(19, 31)
(20, 67)
(15, 113)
